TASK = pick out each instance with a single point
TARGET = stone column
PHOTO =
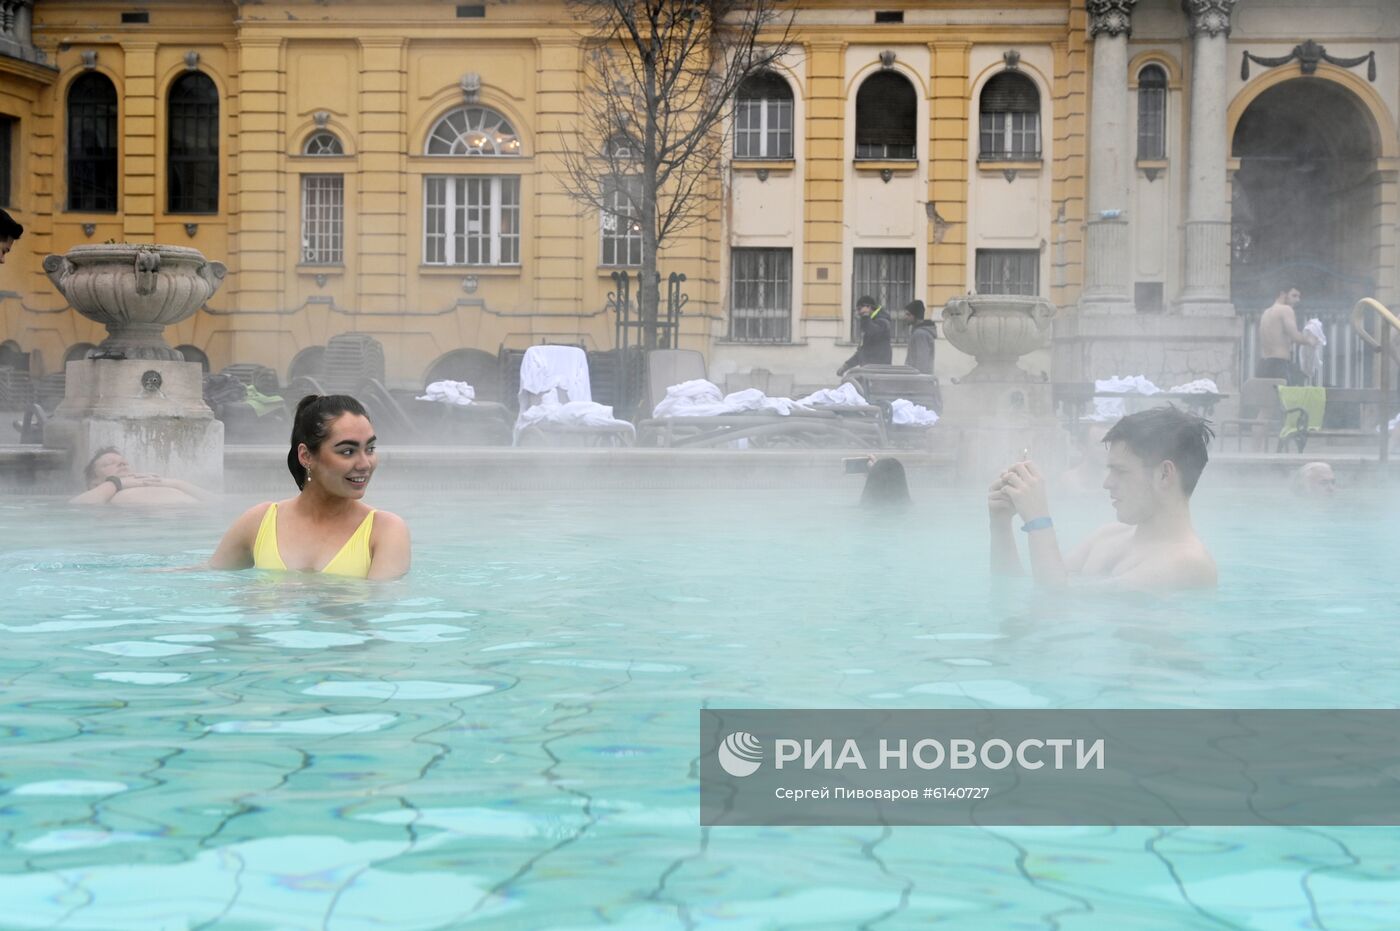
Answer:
(1207, 290)
(1106, 262)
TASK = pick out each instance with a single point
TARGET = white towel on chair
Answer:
(1106, 409)
(449, 392)
(701, 398)
(845, 396)
(907, 413)
(555, 368)
(1199, 386)
(574, 413)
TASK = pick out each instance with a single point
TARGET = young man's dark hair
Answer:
(9, 229)
(915, 308)
(1166, 433)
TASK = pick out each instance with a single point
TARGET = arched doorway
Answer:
(1304, 197)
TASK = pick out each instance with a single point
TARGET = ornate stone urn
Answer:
(137, 394)
(136, 291)
(999, 410)
(997, 329)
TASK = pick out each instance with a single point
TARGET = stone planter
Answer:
(997, 329)
(136, 291)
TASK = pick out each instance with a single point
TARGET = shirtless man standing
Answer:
(1154, 460)
(1278, 332)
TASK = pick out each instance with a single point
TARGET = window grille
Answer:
(322, 219)
(760, 308)
(471, 220)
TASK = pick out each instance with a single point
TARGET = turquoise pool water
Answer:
(508, 738)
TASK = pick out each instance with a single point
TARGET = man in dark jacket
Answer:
(921, 336)
(874, 337)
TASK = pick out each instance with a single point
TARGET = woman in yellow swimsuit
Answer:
(326, 528)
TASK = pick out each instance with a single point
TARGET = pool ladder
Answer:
(1380, 344)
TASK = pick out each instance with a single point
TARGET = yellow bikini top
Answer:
(352, 560)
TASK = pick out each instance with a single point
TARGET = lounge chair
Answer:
(858, 427)
(556, 403)
(483, 422)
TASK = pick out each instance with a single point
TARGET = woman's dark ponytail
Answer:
(311, 425)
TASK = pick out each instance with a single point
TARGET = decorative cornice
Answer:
(1110, 17)
(1211, 17)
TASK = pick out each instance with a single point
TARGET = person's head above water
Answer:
(106, 461)
(1155, 458)
(333, 445)
(885, 485)
(1315, 480)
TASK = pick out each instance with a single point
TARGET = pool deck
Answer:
(262, 469)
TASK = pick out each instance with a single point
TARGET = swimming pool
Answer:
(508, 737)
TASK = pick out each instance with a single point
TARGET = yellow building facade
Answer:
(378, 78)
(397, 170)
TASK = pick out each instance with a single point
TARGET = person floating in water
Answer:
(110, 480)
(327, 527)
(1155, 458)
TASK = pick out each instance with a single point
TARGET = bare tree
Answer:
(661, 85)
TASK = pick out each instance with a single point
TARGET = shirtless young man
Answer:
(1154, 460)
(111, 481)
(1278, 332)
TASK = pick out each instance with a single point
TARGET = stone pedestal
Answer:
(151, 410)
(1169, 350)
(996, 422)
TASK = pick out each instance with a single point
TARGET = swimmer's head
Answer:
(107, 461)
(1155, 457)
(333, 444)
(885, 485)
(1315, 480)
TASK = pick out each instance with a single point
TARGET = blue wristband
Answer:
(1040, 523)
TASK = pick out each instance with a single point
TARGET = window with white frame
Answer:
(471, 220)
(763, 118)
(620, 236)
(760, 308)
(1152, 113)
(473, 131)
(1010, 119)
(1008, 271)
(322, 219)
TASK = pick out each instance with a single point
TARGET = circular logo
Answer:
(741, 754)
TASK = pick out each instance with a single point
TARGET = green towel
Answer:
(1313, 401)
(263, 403)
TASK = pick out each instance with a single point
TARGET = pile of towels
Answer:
(701, 398)
(1111, 409)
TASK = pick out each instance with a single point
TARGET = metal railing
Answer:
(1381, 346)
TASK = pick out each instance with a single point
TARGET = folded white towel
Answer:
(907, 412)
(449, 392)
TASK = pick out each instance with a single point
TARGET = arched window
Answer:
(1152, 113)
(473, 131)
(1010, 128)
(92, 144)
(763, 117)
(323, 143)
(192, 146)
(887, 117)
